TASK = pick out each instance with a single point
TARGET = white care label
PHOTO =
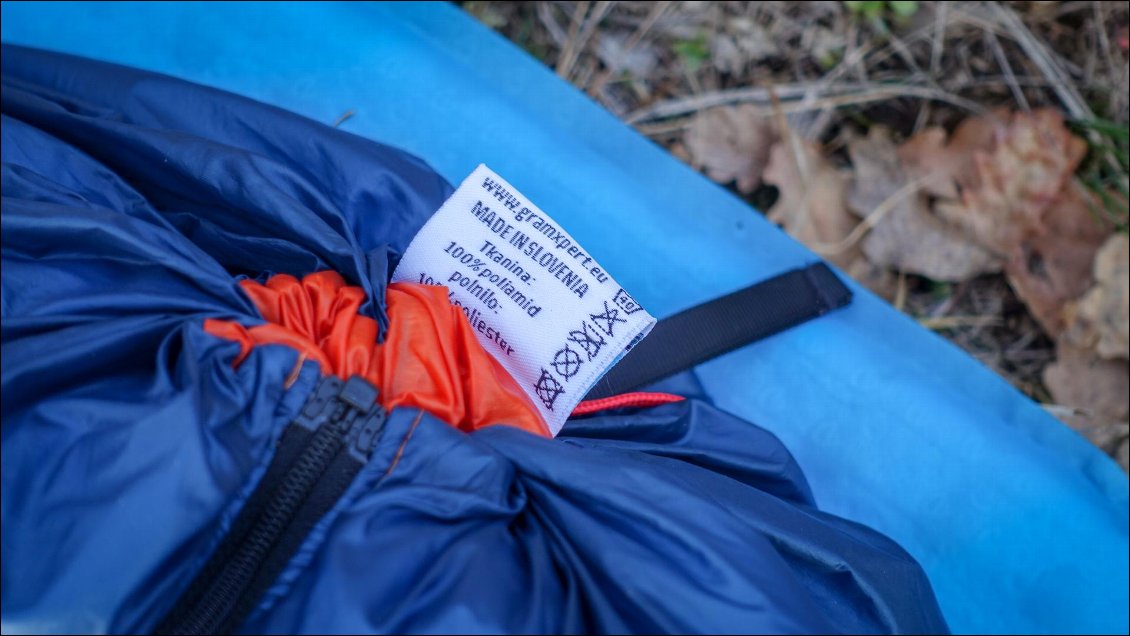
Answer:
(539, 303)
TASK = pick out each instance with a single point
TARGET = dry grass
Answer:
(646, 61)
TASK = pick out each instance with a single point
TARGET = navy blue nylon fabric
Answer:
(131, 204)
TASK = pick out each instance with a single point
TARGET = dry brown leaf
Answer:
(731, 143)
(1099, 320)
(1011, 187)
(811, 206)
(944, 166)
(996, 174)
(908, 237)
(877, 170)
(1080, 379)
(1053, 268)
(1096, 390)
(1109, 435)
(1006, 181)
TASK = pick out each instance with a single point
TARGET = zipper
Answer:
(317, 457)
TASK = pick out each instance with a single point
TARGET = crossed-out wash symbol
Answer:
(567, 362)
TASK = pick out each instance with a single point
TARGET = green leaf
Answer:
(903, 9)
(940, 290)
(693, 52)
(865, 8)
(1111, 128)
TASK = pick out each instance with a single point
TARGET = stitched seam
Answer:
(403, 444)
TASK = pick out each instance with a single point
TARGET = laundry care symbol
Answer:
(566, 362)
(626, 302)
(589, 340)
(547, 389)
(607, 321)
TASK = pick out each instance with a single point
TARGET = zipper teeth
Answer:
(222, 596)
(319, 454)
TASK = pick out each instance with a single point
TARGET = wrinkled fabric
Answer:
(132, 203)
(678, 519)
(430, 359)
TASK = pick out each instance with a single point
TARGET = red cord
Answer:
(626, 400)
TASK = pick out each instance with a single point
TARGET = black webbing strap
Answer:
(721, 325)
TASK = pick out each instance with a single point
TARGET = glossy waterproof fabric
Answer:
(429, 357)
(131, 204)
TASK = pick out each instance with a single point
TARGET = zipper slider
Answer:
(350, 408)
(367, 419)
(368, 433)
(358, 393)
(321, 404)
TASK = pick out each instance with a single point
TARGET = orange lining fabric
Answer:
(430, 358)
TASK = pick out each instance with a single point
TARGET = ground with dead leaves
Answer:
(967, 161)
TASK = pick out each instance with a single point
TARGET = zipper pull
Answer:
(367, 419)
(370, 430)
(321, 404)
(350, 408)
(358, 393)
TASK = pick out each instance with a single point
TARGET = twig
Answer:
(797, 154)
(871, 220)
(1038, 53)
(1067, 8)
(664, 127)
(954, 322)
(1104, 41)
(1021, 343)
(922, 118)
(855, 53)
(852, 59)
(824, 104)
(565, 60)
(937, 46)
(1072, 101)
(937, 50)
(1060, 411)
(1006, 68)
(1118, 89)
(657, 11)
(898, 46)
(676, 123)
(545, 15)
(857, 93)
(577, 41)
(344, 116)
(900, 292)
(1000, 80)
